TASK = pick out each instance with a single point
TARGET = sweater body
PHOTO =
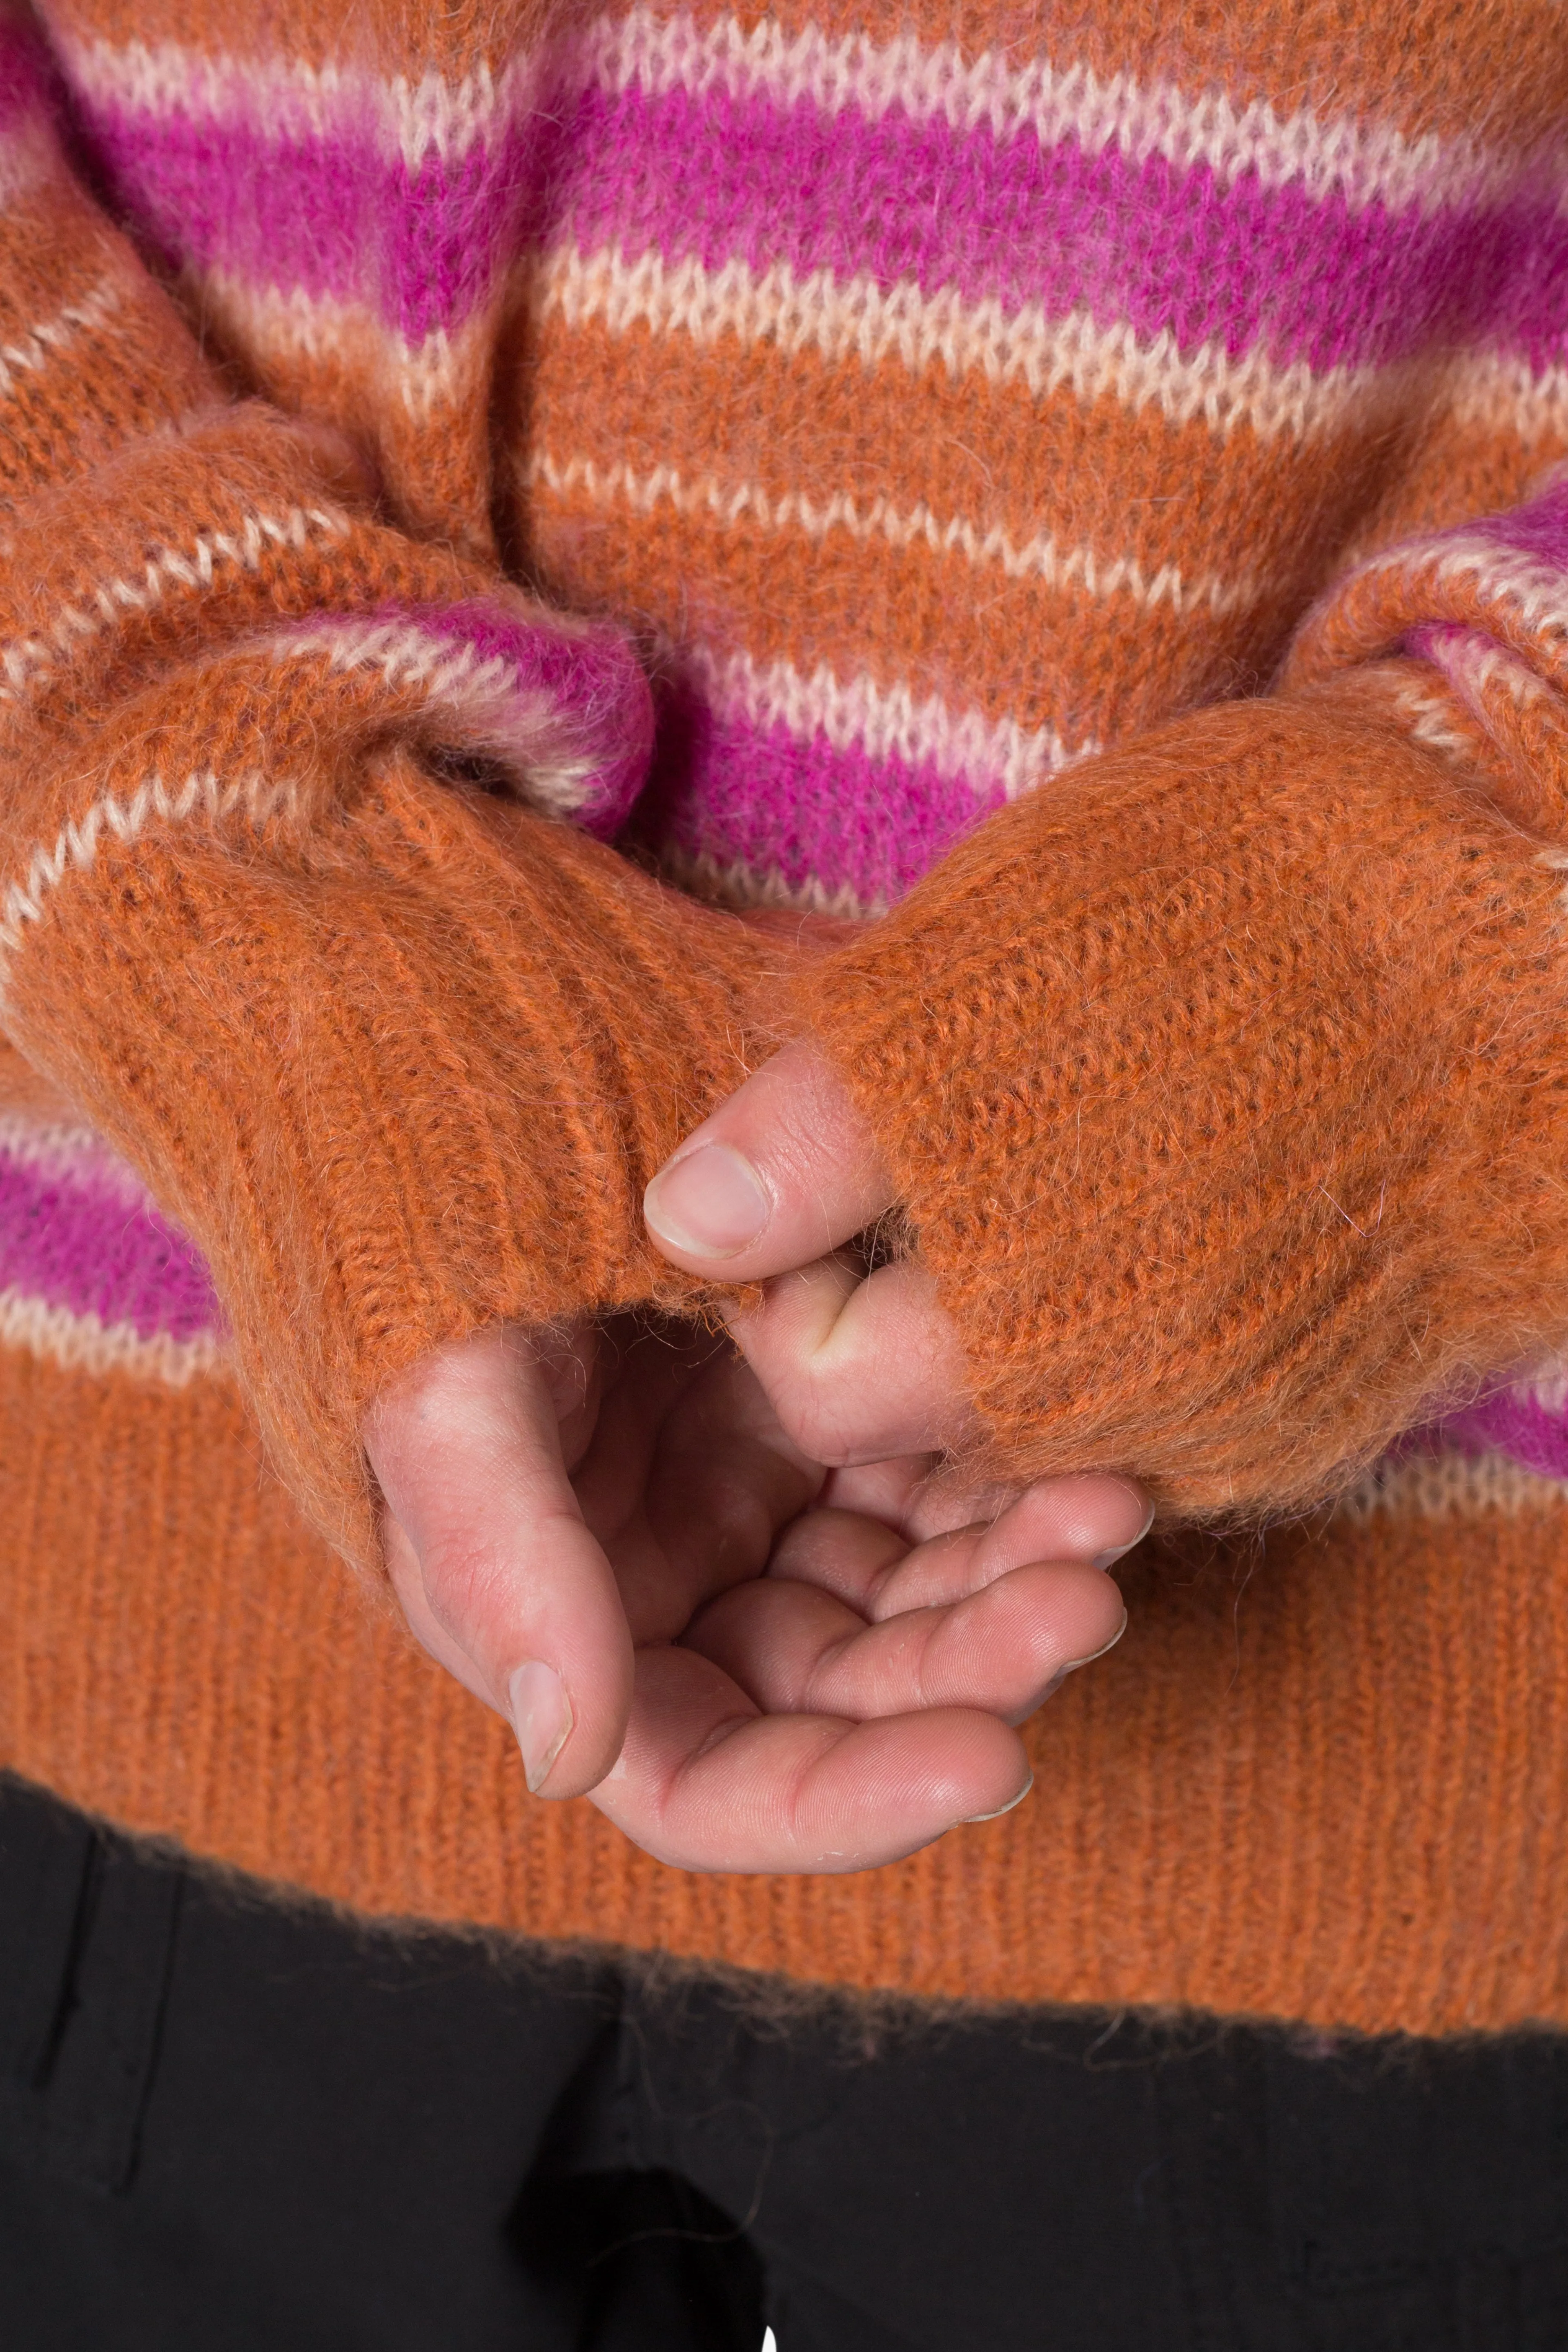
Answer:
(940, 401)
(941, 398)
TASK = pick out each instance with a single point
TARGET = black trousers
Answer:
(230, 2125)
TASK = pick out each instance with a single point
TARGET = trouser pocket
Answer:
(86, 1926)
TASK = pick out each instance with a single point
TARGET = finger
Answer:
(489, 1554)
(844, 1553)
(688, 1478)
(1091, 1520)
(870, 1372)
(649, 1366)
(877, 1572)
(859, 1369)
(795, 1649)
(704, 1782)
(783, 1172)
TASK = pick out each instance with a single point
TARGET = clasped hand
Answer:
(721, 1593)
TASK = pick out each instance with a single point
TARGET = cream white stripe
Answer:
(72, 1155)
(885, 722)
(257, 798)
(1505, 395)
(1440, 1486)
(735, 503)
(738, 884)
(1364, 161)
(24, 660)
(1536, 590)
(1547, 1386)
(81, 1343)
(1478, 664)
(37, 348)
(1437, 720)
(406, 655)
(855, 318)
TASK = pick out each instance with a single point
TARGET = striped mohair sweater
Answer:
(912, 425)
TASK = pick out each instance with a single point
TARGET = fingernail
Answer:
(1073, 1664)
(1119, 1551)
(541, 1716)
(969, 1819)
(709, 1204)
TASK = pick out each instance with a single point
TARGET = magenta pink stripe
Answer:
(804, 809)
(1144, 242)
(421, 248)
(1532, 1434)
(1538, 529)
(75, 1242)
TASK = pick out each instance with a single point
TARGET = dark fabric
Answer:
(227, 2123)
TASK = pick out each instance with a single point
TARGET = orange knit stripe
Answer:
(93, 356)
(313, 32)
(1460, 466)
(1129, 484)
(754, 437)
(898, 614)
(1419, 79)
(1417, 76)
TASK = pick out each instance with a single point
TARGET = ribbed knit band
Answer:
(1225, 1084)
(365, 1032)
(400, 1074)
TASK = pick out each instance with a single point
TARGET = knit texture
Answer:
(1260, 1098)
(962, 414)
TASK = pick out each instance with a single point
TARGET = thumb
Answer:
(783, 1172)
(497, 1574)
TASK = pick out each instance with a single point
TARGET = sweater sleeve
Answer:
(1225, 1078)
(287, 906)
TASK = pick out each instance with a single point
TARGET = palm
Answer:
(805, 1667)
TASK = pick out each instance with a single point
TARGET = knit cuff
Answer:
(1225, 1082)
(400, 1074)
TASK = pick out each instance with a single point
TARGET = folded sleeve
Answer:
(301, 897)
(1224, 1080)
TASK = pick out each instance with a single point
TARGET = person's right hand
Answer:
(608, 1537)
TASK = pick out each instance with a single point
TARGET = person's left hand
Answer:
(607, 1535)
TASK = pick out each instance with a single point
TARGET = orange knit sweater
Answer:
(1079, 498)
